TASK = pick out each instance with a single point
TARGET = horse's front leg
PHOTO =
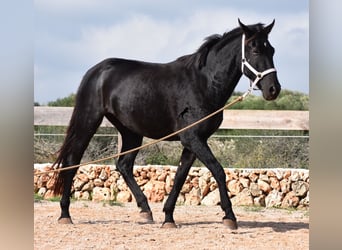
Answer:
(186, 161)
(204, 154)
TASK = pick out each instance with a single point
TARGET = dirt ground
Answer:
(105, 226)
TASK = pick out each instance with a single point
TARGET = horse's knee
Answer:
(125, 166)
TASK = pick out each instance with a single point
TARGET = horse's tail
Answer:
(63, 153)
(78, 120)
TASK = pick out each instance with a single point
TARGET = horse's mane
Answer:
(199, 58)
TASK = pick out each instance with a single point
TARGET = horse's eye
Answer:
(265, 44)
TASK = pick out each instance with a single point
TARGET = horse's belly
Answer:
(153, 124)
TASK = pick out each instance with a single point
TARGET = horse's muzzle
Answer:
(271, 91)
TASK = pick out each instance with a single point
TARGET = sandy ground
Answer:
(105, 226)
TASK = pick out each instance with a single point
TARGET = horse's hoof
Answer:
(147, 216)
(65, 221)
(169, 225)
(231, 224)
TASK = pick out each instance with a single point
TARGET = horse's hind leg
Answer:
(82, 130)
(125, 165)
(186, 162)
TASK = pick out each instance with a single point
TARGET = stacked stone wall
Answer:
(287, 188)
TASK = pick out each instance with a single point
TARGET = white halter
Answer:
(259, 75)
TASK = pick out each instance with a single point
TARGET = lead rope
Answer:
(259, 76)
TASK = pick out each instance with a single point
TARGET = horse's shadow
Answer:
(103, 222)
(276, 226)
(106, 222)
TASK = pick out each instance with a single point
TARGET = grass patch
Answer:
(112, 203)
(253, 208)
(289, 210)
(55, 199)
(38, 198)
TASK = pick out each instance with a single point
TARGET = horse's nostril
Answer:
(273, 90)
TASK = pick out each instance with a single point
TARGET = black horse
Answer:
(153, 100)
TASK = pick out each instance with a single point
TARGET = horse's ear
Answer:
(247, 31)
(268, 28)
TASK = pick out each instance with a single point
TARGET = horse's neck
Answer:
(223, 71)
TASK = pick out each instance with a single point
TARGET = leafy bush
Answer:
(240, 152)
(287, 100)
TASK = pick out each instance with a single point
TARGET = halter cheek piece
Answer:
(259, 75)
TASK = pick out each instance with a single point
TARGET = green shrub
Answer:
(240, 152)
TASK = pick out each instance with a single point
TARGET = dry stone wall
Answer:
(287, 188)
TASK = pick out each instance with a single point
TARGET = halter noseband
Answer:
(259, 75)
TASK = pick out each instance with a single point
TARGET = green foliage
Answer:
(54, 199)
(163, 153)
(270, 152)
(230, 151)
(156, 158)
(37, 197)
(254, 208)
(68, 101)
(287, 100)
(49, 139)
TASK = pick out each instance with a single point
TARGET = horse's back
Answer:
(143, 97)
(150, 99)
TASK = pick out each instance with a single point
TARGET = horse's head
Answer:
(257, 60)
